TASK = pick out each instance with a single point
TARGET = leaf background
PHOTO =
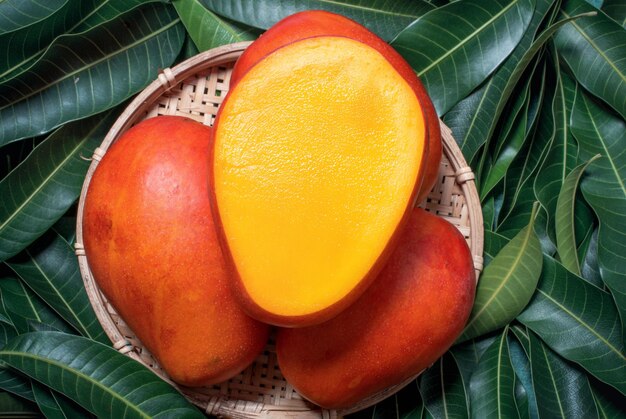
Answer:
(528, 94)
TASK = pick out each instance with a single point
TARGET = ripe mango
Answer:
(151, 245)
(407, 319)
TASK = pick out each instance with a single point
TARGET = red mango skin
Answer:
(312, 23)
(405, 321)
(153, 250)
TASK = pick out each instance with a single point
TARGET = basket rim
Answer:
(167, 79)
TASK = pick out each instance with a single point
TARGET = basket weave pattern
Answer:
(195, 89)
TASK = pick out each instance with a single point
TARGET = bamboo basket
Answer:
(195, 89)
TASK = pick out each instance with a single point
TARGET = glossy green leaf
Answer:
(10, 380)
(492, 386)
(106, 10)
(494, 242)
(443, 389)
(89, 80)
(616, 10)
(609, 402)
(385, 18)
(20, 47)
(595, 50)
(50, 268)
(473, 120)
(511, 141)
(599, 131)
(590, 270)
(564, 220)
(56, 406)
(453, 49)
(579, 322)
(467, 354)
(562, 389)
(524, 393)
(41, 189)
(97, 377)
(23, 306)
(17, 14)
(506, 285)
(17, 407)
(209, 30)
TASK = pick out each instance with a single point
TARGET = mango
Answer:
(318, 154)
(152, 247)
(310, 23)
(405, 321)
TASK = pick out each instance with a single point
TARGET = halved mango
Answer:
(316, 159)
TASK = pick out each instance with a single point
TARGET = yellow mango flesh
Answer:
(316, 159)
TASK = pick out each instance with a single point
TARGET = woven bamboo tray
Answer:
(195, 89)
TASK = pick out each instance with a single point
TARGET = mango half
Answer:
(316, 160)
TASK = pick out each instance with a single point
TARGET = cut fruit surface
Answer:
(316, 160)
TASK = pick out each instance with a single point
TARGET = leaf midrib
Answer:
(594, 46)
(370, 9)
(506, 277)
(96, 62)
(581, 322)
(468, 38)
(45, 182)
(80, 374)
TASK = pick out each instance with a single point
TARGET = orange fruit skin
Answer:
(153, 250)
(405, 321)
(312, 23)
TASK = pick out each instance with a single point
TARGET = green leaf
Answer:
(385, 18)
(20, 47)
(17, 407)
(22, 306)
(17, 14)
(494, 242)
(207, 29)
(595, 50)
(590, 269)
(524, 392)
(506, 285)
(453, 49)
(609, 402)
(97, 377)
(467, 354)
(107, 10)
(562, 390)
(601, 132)
(579, 322)
(41, 189)
(473, 120)
(130, 51)
(443, 389)
(50, 268)
(616, 10)
(56, 406)
(564, 220)
(492, 386)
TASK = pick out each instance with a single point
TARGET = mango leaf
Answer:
(468, 354)
(209, 30)
(494, 242)
(41, 189)
(579, 322)
(17, 407)
(595, 50)
(453, 49)
(443, 389)
(602, 132)
(20, 47)
(97, 377)
(609, 402)
(22, 306)
(50, 268)
(107, 10)
(590, 270)
(562, 390)
(492, 386)
(17, 14)
(524, 393)
(616, 10)
(54, 405)
(406, 404)
(506, 285)
(562, 156)
(564, 220)
(474, 119)
(385, 18)
(53, 92)
(11, 380)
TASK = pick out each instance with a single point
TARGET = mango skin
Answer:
(405, 321)
(311, 23)
(153, 250)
